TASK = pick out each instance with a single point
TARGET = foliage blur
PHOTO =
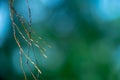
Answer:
(84, 35)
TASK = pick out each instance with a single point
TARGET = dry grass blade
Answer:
(26, 34)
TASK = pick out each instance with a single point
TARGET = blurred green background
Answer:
(84, 35)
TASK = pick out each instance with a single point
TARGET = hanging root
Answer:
(26, 34)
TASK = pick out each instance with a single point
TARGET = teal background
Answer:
(84, 35)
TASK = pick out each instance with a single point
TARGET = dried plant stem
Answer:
(28, 40)
(26, 34)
